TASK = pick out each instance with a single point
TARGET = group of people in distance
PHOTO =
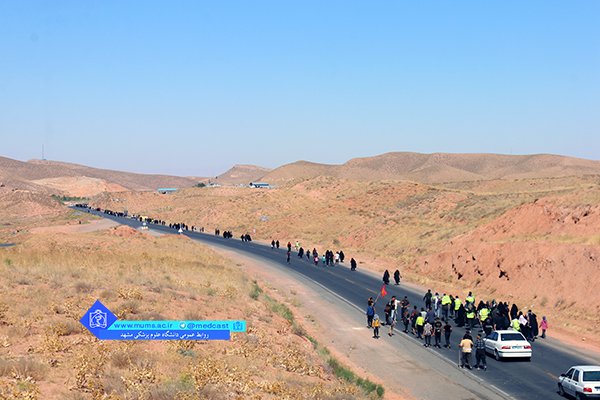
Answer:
(327, 259)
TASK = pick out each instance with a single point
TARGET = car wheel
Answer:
(496, 355)
(580, 396)
(561, 391)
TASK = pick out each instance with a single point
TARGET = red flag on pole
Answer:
(383, 291)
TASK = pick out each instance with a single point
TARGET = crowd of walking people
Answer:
(432, 317)
(429, 321)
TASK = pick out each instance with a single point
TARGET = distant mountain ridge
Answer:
(67, 178)
(54, 177)
(440, 167)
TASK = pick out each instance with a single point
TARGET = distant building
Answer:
(166, 190)
(260, 185)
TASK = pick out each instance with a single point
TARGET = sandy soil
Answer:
(80, 186)
(91, 226)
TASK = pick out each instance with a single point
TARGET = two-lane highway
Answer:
(535, 380)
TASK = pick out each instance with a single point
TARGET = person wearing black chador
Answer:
(460, 316)
(397, 277)
(386, 277)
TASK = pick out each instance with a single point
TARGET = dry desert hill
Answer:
(78, 180)
(439, 167)
(241, 175)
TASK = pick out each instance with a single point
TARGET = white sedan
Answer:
(581, 382)
(507, 343)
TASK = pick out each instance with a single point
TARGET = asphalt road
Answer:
(535, 380)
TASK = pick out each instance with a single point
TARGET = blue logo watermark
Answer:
(103, 324)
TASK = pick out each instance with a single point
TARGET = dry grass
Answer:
(141, 277)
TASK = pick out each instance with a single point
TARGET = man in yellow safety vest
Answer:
(445, 306)
(457, 304)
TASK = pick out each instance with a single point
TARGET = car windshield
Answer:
(591, 376)
(512, 336)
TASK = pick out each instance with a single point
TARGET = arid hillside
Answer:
(48, 281)
(440, 167)
(22, 209)
(532, 228)
(241, 175)
(78, 180)
(545, 253)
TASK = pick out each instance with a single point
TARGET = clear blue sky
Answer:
(192, 87)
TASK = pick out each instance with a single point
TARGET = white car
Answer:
(581, 381)
(507, 343)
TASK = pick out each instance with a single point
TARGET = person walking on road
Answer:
(420, 323)
(386, 277)
(457, 305)
(376, 325)
(427, 299)
(480, 362)
(397, 277)
(437, 331)
(370, 314)
(352, 264)
(289, 253)
(446, 304)
(427, 331)
(436, 304)
(534, 325)
(405, 318)
(387, 312)
(272, 244)
(393, 315)
(544, 326)
(466, 346)
(447, 333)
(413, 320)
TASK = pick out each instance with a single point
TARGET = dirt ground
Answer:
(50, 277)
(91, 226)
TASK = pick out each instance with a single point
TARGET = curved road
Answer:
(535, 380)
